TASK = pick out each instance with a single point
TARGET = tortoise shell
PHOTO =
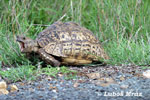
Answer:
(72, 43)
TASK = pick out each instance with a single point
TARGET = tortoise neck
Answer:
(35, 46)
(35, 43)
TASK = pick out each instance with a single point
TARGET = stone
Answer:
(123, 86)
(75, 84)
(3, 91)
(146, 74)
(93, 75)
(3, 87)
(122, 78)
(13, 88)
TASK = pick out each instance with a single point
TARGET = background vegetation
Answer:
(121, 25)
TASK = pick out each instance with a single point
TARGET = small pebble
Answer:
(146, 74)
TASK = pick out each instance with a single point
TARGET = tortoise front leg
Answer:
(48, 58)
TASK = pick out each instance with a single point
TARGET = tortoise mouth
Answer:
(21, 46)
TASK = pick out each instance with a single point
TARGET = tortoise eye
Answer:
(24, 38)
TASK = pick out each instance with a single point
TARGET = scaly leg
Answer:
(48, 58)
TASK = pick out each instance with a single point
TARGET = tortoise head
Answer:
(26, 44)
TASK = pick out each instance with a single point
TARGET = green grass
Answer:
(19, 74)
(121, 25)
(29, 72)
(134, 52)
(54, 71)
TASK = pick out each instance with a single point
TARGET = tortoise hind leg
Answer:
(48, 58)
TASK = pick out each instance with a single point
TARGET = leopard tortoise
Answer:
(64, 44)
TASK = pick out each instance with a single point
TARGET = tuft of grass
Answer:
(29, 72)
(10, 53)
(19, 74)
(145, 67)
(54, 71)
(129, 52)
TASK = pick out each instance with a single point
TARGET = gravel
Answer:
(131, 87)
